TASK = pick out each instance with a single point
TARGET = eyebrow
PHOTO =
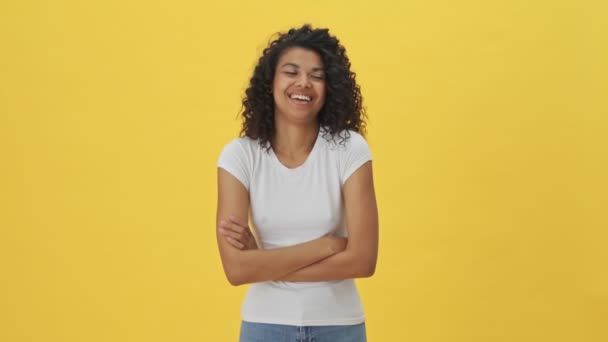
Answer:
(297, 66)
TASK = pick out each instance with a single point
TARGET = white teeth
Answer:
(300, 97)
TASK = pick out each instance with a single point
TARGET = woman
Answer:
(303, 169)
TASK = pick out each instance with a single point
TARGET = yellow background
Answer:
(488, 124)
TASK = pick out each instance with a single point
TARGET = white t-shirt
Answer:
(291, 206)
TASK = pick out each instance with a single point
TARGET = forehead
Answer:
(300, 57)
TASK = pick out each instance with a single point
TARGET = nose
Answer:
(303, 80)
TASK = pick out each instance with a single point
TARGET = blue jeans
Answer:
(265, 332)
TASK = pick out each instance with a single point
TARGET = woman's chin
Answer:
(300, 115)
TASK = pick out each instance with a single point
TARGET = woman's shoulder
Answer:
(346, 139)
(242, 145)
(356, 137)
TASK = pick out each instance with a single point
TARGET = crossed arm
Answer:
(326, 258)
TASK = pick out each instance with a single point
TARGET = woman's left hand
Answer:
(237, 233)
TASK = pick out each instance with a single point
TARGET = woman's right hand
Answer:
(237, 233)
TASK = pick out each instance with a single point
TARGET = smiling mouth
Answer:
(300, 98)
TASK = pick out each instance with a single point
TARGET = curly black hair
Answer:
(342, 109)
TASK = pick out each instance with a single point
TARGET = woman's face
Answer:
(299, 85)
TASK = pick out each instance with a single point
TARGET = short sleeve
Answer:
(233, 158)
(357, 152)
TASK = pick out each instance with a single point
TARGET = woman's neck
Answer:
(293, 140)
